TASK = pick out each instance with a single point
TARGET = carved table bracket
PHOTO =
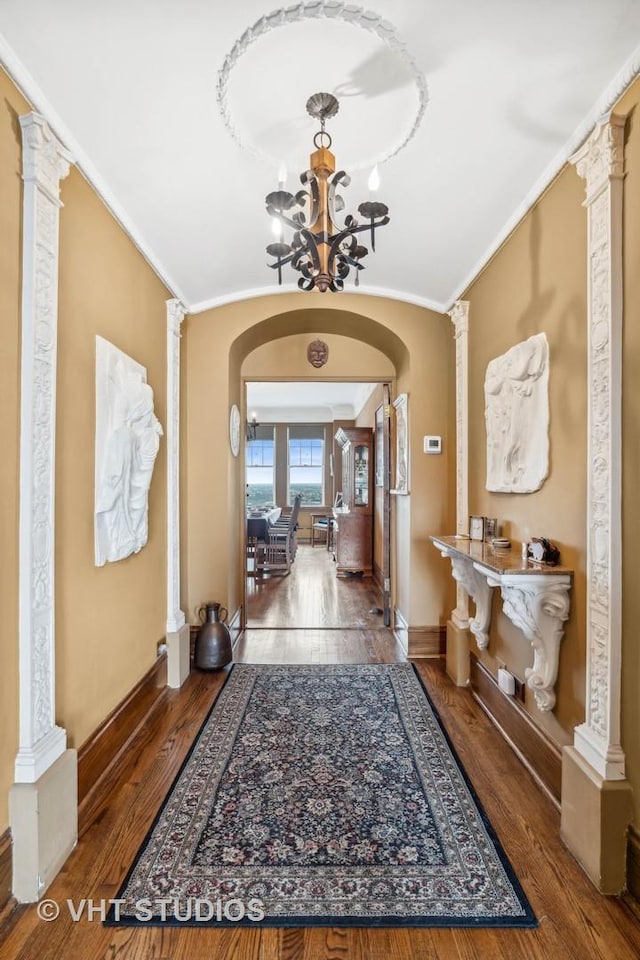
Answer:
(538, 605)
(534, 597)
(479, 590)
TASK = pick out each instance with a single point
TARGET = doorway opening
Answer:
(296, 460)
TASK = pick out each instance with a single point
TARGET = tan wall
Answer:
(290, 353)
(537, 283)
(631, 447)
(419, 345)
(109, 620)
(12, 105)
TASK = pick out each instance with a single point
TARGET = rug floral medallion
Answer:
(328, 795)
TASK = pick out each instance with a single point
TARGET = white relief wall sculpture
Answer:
(402, 445)
(516, 391)
(127, 442)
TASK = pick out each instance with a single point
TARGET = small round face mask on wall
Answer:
(317, 353)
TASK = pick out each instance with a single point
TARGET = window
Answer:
(306, 464)
(260, 464)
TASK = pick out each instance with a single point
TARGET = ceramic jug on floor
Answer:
(213, 642)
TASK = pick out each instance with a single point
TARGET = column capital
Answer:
(601, 156)
(176, 312)
(44, 159)
(459, 314)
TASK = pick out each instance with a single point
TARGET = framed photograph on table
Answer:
(476, 528)
(379, 447)
(490, 528)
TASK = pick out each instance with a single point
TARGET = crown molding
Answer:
(32, 92)
(385, 292)
(607, 99)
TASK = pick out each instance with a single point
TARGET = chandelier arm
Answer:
(310, 179)
(309, 251)
(340, 179)
(337, 256)
(282, 262)
(367, 226)
(287, 221)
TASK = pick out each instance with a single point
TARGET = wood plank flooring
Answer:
(576, 923)
(312, 596)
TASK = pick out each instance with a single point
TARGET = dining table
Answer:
(259, 521)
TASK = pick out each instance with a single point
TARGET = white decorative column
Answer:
(460, 319)
(458, 626)
(596, 799)
(178, 650)
(600, 162)
(45, 793)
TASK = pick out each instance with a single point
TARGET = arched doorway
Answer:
(418, 344)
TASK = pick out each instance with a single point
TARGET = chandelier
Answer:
(322, 250)
(252, 427)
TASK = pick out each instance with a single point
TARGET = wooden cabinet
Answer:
(354, 521)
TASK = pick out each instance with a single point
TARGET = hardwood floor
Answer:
(576, 923)
(312, 596)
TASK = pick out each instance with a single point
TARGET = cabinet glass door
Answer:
(361, 475)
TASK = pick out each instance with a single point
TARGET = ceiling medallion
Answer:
(322, 250)
(336, 11)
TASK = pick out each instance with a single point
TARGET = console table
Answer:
(535, 597)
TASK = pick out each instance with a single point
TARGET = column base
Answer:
(457, 662)
(595, 814)
(178, 656)
(44, 826)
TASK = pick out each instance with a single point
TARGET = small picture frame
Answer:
(490, 528)
(476, 528)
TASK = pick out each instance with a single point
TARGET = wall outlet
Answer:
(507, 682)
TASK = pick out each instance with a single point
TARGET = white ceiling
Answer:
(183, 129)
(306, 401)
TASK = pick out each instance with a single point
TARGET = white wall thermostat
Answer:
(432, 445)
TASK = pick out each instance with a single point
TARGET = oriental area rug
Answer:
(322, 795)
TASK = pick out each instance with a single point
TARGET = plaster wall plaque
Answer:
(402, 444)
(516, 391)
(127, 442)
